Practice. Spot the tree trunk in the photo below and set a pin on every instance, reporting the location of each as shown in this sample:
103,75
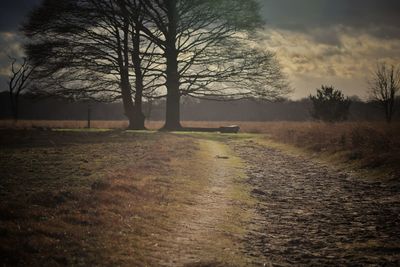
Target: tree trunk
134,114
139,117
388,107
13,103
129,109
16,111
388,117
172,116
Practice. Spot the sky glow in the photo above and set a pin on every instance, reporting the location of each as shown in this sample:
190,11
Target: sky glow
332,42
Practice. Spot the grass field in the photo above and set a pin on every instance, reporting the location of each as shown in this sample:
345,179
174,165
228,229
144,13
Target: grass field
364,145
371,147
109,198
77,197
63,192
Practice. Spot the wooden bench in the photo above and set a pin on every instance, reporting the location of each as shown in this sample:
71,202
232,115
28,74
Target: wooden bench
229,129
222,129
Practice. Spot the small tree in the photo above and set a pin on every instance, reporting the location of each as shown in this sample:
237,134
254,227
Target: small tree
384,86
329,104
18,82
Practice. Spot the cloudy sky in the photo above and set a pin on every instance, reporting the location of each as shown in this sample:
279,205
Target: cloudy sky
333,42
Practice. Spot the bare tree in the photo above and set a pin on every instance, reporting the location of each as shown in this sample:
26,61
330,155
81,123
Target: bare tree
206,53
91,49
18,82
384,87
162,48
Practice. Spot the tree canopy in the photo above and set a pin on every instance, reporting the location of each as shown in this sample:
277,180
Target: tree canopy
130,49
329,104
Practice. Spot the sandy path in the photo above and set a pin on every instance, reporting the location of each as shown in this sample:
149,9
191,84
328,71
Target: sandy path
313,215
209,228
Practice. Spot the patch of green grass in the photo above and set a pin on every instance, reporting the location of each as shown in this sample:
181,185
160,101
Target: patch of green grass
81,130
141,131
220,137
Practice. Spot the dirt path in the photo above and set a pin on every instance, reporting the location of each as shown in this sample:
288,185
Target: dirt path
313,215
209,228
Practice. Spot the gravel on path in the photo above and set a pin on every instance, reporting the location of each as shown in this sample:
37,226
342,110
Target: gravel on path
313,215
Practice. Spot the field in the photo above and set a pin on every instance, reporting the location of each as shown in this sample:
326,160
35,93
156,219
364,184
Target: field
370,146
78,198
277,193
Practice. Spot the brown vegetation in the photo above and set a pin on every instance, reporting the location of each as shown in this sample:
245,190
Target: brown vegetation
370,145
65,124
112,198
79,197
73,198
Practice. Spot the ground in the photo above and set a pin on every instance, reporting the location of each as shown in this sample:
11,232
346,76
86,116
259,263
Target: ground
125,198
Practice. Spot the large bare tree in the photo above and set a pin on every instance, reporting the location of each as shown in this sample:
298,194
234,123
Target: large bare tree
384,87
207,52
91,49
169,48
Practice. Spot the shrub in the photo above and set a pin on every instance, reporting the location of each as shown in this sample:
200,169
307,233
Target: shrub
330,105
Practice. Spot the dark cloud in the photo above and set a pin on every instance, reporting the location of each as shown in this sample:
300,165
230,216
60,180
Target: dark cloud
317,41
377,16
381,16
13,12
327,37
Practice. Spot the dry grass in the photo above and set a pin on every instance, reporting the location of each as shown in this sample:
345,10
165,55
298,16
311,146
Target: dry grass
365,145
103,124
65,124
370,145
105,198
78,198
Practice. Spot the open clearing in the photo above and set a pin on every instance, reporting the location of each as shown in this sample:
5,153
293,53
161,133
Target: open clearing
122,198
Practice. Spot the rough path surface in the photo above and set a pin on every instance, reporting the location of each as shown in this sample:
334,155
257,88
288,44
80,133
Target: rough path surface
310,214
209,225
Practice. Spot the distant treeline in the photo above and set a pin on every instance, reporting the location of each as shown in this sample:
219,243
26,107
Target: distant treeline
192,109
